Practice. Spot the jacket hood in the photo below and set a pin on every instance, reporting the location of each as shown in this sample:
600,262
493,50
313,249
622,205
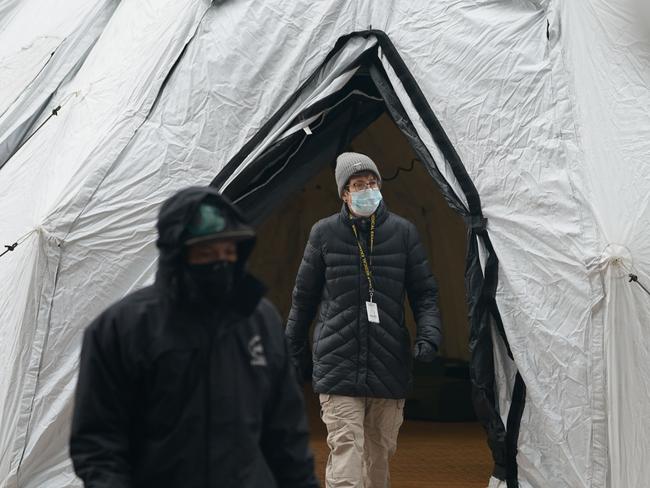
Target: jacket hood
173,219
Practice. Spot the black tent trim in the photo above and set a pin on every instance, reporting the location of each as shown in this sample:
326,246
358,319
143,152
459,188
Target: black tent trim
481,286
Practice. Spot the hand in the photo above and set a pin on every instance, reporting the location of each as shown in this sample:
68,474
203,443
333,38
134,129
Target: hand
424,352
302,371
298,372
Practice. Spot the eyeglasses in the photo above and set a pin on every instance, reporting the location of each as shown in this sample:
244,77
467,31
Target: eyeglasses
360,186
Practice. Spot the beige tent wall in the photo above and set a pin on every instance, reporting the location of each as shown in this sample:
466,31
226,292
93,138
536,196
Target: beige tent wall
413,195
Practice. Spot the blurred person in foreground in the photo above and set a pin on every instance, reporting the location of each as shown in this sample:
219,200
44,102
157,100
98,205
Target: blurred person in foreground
188,383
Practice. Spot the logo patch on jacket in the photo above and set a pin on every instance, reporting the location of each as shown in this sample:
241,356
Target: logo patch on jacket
256,350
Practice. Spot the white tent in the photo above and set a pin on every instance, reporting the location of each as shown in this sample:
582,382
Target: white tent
545,105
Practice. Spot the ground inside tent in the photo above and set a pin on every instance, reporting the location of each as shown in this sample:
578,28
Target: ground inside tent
450,448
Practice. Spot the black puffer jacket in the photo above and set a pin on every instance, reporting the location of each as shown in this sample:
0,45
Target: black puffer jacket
170,396
350,355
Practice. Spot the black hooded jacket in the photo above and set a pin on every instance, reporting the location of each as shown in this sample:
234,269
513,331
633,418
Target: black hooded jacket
352,356
173,396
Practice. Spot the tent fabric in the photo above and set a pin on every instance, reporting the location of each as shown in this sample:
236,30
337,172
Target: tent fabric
34,61
544,100
330,75
611,95
43,192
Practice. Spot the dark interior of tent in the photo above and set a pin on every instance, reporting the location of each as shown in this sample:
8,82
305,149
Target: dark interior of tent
290,185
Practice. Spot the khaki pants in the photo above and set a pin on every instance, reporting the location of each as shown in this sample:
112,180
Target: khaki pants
362,437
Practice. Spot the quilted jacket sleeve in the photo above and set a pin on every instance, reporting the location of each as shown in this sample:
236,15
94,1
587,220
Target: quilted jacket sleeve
422,292
306,299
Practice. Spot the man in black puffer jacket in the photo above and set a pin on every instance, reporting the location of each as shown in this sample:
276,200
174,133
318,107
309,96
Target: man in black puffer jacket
188,383
357,268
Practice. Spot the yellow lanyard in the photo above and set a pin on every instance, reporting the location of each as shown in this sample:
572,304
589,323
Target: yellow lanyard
364,259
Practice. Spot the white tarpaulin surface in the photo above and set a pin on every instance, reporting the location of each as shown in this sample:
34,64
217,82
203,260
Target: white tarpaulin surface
554,132
607,55
39,48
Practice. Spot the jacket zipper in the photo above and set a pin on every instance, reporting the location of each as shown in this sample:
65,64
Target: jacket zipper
358,318
369,325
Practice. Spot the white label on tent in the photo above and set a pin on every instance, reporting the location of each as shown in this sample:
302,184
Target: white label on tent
373,312
307,130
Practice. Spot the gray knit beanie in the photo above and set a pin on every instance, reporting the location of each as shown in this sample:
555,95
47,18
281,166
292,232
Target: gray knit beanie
350,163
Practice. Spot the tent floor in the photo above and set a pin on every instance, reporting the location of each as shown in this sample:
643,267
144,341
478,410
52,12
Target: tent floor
429,455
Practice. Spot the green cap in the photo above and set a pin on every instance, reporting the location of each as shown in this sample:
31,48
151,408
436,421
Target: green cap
207,220
211,222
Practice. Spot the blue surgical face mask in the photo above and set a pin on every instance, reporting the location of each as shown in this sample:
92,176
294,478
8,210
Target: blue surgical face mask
365,202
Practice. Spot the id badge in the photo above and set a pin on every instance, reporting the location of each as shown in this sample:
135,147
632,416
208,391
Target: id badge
373,312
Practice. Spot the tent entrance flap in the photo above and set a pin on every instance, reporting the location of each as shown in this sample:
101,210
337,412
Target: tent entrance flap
326,128
290,162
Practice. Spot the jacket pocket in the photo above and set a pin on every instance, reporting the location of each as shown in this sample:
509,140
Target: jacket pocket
318,332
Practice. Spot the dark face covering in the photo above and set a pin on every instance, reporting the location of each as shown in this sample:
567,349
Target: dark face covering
210,284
